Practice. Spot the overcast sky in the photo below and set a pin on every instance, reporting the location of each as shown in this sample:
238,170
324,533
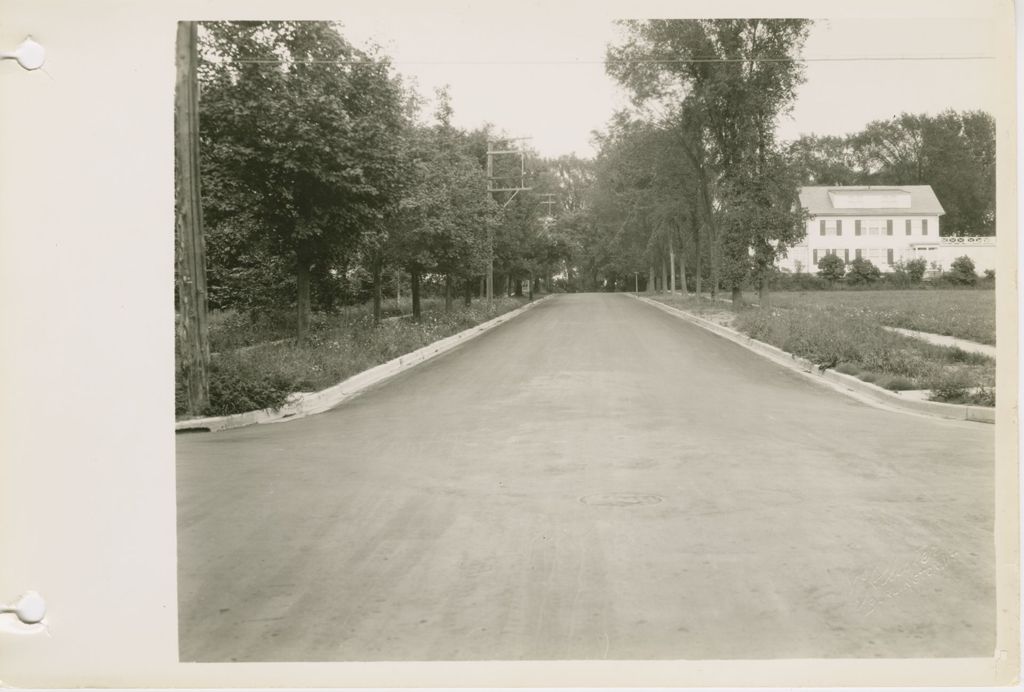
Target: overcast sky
541,75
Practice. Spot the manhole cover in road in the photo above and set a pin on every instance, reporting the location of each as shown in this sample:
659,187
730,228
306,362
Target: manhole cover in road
620,499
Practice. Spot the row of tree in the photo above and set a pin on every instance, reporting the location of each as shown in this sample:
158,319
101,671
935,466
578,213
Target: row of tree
692,176
953,152
321,182
690,181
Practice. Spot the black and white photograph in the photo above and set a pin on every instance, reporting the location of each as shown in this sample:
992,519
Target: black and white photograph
676,341
512,346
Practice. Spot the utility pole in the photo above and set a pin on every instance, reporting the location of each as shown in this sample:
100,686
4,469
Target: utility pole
493,186
549,200
190,251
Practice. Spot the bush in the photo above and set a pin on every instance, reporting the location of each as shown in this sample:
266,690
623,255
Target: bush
862,272
955,387
915,269
831,268
961,272
236,386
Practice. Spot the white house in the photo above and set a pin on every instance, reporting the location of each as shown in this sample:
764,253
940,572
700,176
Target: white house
886,224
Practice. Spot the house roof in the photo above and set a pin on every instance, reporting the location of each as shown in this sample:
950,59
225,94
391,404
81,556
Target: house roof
923,202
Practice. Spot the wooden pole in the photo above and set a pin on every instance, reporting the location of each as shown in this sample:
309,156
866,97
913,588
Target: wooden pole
190,252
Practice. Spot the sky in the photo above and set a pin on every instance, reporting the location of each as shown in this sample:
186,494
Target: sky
541,75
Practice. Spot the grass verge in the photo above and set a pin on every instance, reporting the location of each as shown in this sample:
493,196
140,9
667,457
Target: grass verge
258,366
854,342
965,314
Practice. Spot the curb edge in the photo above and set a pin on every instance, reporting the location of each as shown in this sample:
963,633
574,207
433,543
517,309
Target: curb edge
845,384
311,403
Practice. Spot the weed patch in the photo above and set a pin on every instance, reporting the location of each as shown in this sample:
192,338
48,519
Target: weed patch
252,375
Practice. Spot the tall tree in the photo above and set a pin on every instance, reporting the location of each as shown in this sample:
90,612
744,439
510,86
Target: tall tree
736,76
306,127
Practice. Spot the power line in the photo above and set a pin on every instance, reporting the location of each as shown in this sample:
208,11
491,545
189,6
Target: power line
666,61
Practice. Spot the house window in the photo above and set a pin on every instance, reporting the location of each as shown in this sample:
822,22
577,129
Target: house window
839,228
875,255
858,255
908,226
924,226
829,227
856,227
873,226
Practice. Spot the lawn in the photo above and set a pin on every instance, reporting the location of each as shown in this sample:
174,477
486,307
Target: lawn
965,314
849,336
257,363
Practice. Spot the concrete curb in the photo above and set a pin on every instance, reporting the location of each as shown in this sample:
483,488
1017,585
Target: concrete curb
846,384
308,404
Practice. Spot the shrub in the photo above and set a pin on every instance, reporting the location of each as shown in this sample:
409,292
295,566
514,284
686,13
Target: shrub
236,386
961,272
915,269
831,268
862,272
951,386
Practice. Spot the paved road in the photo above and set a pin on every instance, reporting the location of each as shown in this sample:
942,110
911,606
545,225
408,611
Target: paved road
595,479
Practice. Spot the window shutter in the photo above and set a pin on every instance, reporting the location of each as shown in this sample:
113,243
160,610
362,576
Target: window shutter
858,254
924,226
846,254
822,227
856,227
888,226
889,256
816,254
908,226
839,226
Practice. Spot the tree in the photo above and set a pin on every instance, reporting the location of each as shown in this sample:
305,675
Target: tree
831,268
444,216
862,271
735,77
306,129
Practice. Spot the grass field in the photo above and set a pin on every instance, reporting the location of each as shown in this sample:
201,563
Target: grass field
258,363
844,332
965,314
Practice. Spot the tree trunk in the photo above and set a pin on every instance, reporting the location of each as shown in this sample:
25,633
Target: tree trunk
682,274
483,287
762,293
467,292
671,266
532,281
414,280
664,274
378,290
398,287
699,268
650,280
302,282
737,296
447,292
518,288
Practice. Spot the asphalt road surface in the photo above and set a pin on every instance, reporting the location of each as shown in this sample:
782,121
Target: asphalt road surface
595,479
